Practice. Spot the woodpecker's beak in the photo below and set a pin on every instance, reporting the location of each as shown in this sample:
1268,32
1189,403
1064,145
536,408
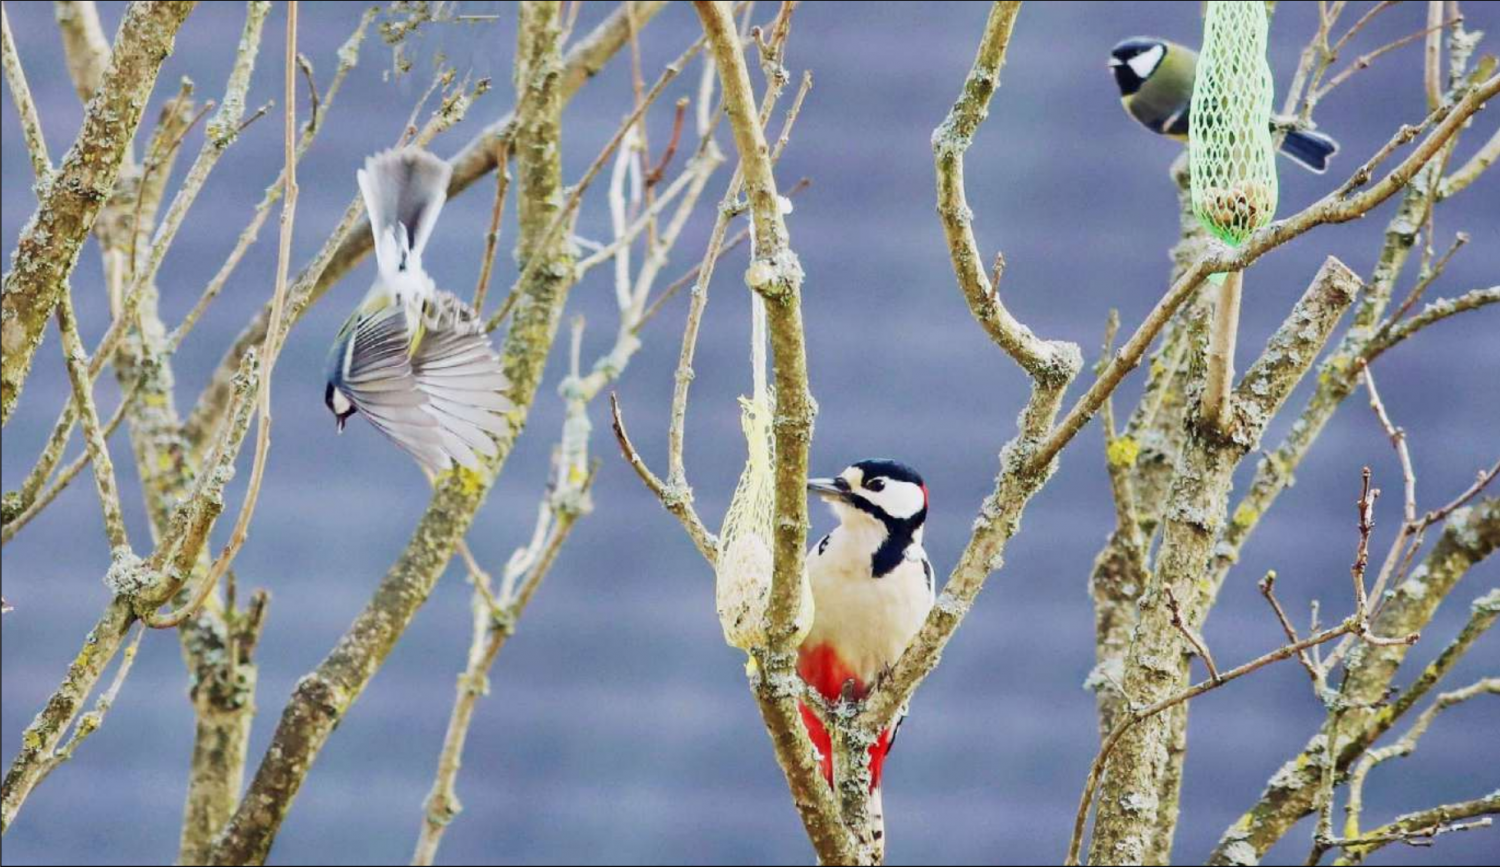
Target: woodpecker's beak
829,489
1116,63
339,422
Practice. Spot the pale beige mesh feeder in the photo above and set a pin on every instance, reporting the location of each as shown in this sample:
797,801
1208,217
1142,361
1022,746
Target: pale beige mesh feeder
742,590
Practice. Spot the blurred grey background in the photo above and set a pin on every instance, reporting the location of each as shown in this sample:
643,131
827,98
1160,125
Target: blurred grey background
619,727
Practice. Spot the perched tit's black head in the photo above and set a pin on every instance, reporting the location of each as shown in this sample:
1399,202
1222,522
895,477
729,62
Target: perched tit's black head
891,492
338,404
1134,60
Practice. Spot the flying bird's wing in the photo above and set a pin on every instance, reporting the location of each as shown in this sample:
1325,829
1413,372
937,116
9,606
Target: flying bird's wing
459,374
374,371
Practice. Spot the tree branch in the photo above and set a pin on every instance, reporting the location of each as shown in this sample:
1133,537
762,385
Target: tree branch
31,123
51,240
1471,535
1155,666
777,276
567,498
323,696
1051,364
1420,828
351,240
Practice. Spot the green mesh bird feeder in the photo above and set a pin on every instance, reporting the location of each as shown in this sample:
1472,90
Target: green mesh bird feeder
1233,164
1231,154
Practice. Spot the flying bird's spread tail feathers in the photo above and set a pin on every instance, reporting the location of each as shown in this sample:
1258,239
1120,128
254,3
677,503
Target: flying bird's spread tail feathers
404,190
414,360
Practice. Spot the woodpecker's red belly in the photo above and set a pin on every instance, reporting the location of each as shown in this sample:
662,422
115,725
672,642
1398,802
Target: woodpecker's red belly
825,672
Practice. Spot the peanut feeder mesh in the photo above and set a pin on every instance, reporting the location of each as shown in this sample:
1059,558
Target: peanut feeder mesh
1231,154
742,589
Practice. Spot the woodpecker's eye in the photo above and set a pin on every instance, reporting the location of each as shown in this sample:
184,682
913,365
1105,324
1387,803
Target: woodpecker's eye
875,485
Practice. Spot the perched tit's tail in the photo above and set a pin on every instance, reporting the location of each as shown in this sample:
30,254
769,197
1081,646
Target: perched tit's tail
1311,149
403,190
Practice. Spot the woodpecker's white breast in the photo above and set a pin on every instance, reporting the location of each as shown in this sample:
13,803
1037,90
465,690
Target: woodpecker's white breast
867,621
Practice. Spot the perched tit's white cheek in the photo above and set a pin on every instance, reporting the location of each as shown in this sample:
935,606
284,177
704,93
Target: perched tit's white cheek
1145,63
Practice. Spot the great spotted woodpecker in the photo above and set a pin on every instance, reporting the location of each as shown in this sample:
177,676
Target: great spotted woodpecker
872,587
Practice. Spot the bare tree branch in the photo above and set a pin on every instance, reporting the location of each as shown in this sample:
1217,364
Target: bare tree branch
20,92
323,696
777,276
51,240
1471,535
1155,666
350,242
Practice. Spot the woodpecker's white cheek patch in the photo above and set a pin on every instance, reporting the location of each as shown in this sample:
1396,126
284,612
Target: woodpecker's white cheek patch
341,404
899,499
1145,63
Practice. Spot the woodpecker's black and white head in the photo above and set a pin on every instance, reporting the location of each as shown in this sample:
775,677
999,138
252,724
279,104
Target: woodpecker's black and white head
881,502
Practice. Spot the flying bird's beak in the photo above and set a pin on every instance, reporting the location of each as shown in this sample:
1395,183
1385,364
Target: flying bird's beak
1116,63
829,489
339,421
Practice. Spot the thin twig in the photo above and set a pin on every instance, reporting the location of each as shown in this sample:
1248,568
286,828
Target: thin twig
1268,589
1363,20
678,505
93,433
270,349
155,161
1199,646
565,214
90,722
1428,275
1397,436
492,237
1364,60
654,176
31,122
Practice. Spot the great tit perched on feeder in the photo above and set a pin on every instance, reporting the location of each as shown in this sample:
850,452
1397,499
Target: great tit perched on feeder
1156,76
